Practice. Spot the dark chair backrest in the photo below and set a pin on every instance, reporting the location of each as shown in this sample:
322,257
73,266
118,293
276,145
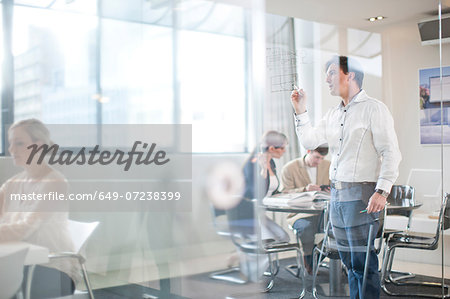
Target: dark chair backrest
244,210
217,212
401,195
443,220
241,218
220,226
446,214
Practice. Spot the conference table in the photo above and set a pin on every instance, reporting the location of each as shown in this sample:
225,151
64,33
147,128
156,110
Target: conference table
35,255
315,208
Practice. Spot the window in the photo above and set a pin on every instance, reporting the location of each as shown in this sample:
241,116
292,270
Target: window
54,66
136,73
212,76
73,67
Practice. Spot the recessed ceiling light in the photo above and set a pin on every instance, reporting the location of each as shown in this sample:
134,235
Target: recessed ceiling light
378,18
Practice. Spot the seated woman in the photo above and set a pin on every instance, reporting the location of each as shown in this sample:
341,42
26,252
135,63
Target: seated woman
260,180
33,221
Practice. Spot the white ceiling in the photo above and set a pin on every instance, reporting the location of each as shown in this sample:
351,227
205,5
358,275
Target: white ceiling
354,13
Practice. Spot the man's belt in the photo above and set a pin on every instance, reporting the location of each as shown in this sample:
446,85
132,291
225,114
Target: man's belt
338,185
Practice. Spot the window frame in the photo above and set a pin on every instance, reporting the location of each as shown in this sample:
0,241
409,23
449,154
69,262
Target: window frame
7,99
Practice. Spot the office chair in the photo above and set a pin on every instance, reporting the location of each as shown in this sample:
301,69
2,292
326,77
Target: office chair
243,231
400,195
222,229
329,249
80,233
407,240
11,274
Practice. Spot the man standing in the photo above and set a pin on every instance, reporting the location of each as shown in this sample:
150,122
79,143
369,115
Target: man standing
300,175
365,158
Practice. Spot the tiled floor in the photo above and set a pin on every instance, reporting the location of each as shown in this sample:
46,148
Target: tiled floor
202,287
143,273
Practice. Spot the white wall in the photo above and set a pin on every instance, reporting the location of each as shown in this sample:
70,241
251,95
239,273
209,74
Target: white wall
403,56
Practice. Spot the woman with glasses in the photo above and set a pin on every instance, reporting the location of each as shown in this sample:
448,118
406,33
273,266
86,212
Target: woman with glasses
261,179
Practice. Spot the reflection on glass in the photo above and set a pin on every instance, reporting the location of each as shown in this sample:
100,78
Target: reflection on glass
54,66
35,221
83,6
136,73
212,90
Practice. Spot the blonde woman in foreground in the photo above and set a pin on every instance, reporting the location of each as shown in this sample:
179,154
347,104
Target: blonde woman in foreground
30,221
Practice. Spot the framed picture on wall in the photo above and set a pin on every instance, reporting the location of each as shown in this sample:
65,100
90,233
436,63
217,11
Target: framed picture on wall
430,105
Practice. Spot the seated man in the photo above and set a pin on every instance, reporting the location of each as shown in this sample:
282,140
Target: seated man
300,175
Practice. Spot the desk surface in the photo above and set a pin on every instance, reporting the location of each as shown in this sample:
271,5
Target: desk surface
36,254
404,208
312,209
317,208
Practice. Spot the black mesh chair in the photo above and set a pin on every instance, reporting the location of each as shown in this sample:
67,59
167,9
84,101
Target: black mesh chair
244,231
400,196
411,241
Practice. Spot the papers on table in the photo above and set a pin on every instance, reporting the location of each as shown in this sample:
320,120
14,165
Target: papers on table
276,200
303,199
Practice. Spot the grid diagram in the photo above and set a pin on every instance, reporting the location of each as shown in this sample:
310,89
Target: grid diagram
281,67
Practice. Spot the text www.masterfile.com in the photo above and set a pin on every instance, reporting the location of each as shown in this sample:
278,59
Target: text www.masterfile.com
98,196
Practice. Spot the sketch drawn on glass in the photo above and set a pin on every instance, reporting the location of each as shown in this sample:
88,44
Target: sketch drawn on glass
282,67
430,105
283,82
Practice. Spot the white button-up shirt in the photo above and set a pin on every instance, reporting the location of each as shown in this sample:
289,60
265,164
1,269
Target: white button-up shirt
361,139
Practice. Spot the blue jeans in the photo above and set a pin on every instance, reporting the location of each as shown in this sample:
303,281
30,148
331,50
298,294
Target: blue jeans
351,230
306,229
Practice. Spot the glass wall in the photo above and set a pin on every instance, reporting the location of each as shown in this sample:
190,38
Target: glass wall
175,78
54,55
159,110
